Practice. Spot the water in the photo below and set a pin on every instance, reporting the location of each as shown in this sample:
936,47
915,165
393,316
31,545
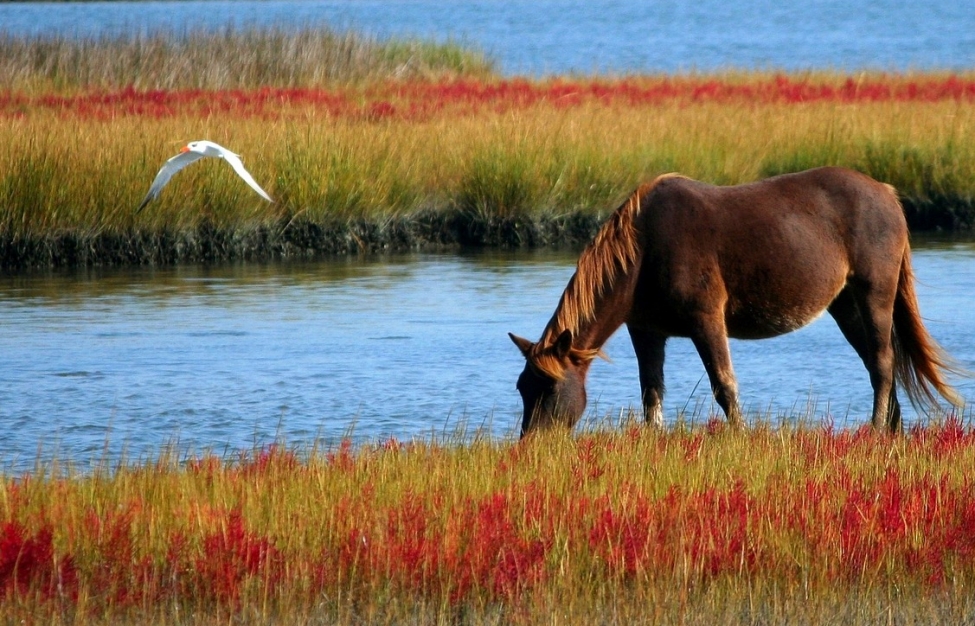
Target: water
535,37
105,363
101,364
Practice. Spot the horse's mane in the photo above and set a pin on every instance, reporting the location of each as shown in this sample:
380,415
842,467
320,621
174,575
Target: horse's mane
613,251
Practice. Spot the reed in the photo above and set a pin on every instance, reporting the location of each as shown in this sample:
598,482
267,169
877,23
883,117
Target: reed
230,58
776,524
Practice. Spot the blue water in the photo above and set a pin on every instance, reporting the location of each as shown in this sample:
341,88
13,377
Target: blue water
117,363
113,363
536,37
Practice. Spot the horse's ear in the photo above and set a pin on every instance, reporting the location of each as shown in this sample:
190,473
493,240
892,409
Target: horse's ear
523,344
563,345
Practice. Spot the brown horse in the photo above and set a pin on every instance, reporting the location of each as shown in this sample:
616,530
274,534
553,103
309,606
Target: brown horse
681,258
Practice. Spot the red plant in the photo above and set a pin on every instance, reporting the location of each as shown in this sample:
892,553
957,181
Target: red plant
269,457
627,542
418,100
121,576
230,557
840,519
343,458
479,550
488,552
29,563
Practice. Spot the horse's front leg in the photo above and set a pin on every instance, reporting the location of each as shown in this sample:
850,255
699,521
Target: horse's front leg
649,348
711,340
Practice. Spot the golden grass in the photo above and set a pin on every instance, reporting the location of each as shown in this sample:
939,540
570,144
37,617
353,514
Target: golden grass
59,172
771,525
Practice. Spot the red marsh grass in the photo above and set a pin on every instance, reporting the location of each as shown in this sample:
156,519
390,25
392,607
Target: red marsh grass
421,99
693,524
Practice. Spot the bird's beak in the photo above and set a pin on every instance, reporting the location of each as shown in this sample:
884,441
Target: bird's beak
184,149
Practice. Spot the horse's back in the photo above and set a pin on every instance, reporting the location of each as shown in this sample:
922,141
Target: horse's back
836,194
772,253
819,207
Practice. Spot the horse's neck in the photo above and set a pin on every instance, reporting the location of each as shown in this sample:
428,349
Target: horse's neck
592,317
598,298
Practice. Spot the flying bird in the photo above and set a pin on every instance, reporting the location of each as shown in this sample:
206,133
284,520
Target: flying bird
191,152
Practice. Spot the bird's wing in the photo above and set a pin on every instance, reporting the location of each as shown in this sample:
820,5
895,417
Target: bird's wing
169,168
238,166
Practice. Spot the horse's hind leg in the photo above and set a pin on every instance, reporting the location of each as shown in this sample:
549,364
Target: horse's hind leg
846,310
711,340
649,348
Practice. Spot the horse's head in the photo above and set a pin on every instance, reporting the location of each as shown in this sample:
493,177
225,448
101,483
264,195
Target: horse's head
553,383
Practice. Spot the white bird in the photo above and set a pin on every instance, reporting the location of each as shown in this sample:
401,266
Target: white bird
191,152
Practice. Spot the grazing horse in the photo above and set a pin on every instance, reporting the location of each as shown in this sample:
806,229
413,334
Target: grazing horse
682,258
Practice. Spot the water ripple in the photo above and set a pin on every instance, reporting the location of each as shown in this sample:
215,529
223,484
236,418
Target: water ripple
395,347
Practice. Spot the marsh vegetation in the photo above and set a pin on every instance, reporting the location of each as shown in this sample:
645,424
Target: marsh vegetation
374,157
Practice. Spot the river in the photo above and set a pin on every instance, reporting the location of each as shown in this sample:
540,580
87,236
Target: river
106,364
112,364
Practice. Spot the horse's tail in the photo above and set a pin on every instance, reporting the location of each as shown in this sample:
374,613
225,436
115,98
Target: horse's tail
920,363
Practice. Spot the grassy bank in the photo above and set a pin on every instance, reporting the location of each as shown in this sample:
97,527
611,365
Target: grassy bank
692,525
448,156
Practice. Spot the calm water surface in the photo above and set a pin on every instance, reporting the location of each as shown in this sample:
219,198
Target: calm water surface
109,362
557,36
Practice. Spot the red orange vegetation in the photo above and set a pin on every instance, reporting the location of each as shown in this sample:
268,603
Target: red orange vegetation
628,515
418,100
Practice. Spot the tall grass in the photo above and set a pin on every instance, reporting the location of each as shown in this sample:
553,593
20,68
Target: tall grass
374,156
693,524
231,58
57,172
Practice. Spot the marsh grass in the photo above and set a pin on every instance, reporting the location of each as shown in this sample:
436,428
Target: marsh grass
230,58
620,524
59,173
437,157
